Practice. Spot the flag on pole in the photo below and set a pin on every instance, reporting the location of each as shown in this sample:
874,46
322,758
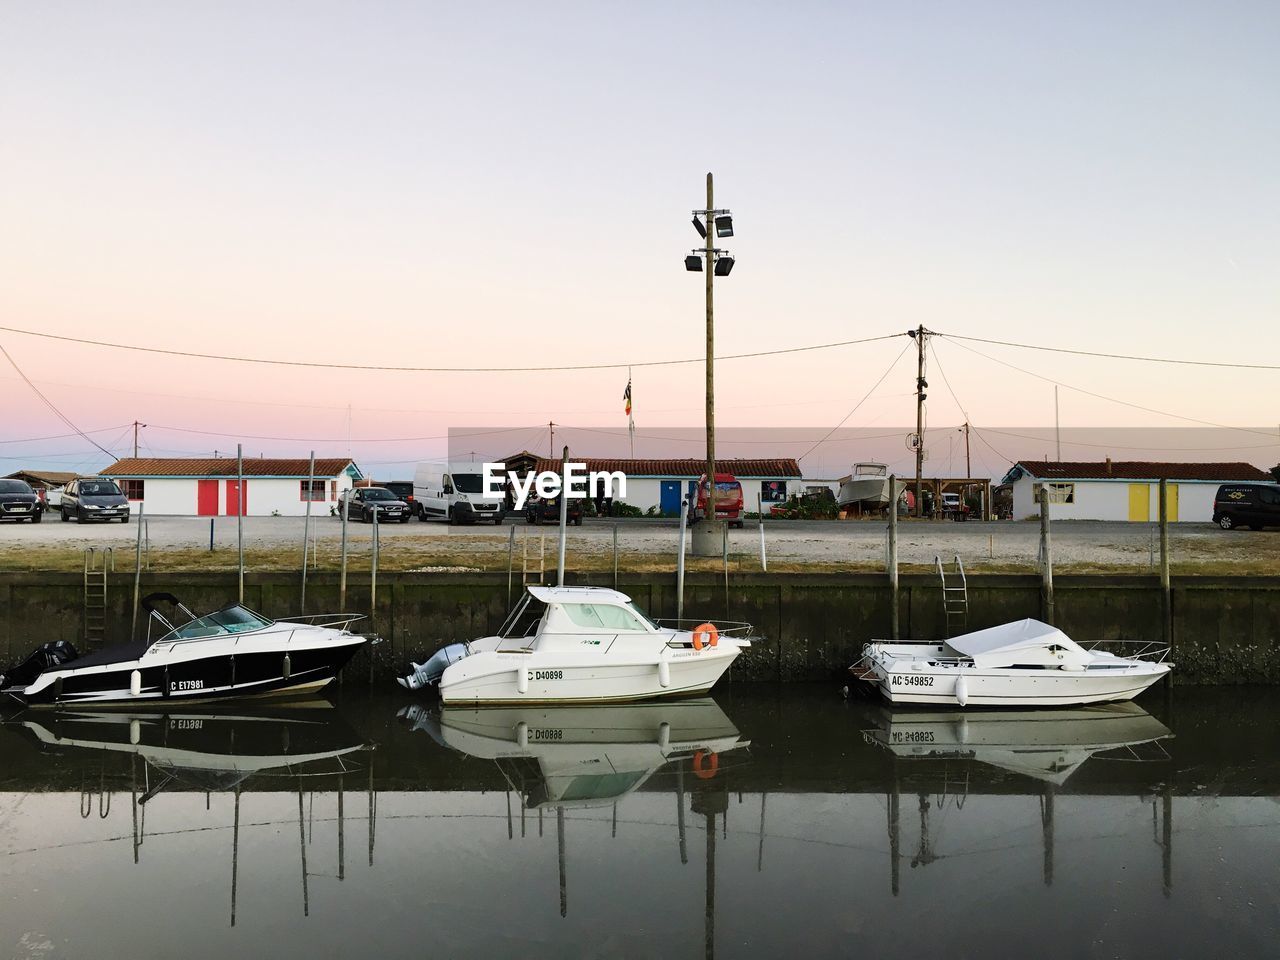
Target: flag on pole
631,423
626,395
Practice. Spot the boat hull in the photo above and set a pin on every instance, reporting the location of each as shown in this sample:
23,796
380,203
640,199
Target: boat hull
217,675
867,491
492,678
1001,687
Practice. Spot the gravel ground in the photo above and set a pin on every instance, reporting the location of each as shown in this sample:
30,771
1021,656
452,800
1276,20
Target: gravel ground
1002,543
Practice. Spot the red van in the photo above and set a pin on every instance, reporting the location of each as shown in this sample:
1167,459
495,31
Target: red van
728,499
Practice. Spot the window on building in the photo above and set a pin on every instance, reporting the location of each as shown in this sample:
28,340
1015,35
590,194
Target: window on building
1061,492
773,491
315,490
133,489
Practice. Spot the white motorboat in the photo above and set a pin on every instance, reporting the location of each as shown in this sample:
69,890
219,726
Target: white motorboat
867,486
1021,664
585,755
581,645
1048,745
232,652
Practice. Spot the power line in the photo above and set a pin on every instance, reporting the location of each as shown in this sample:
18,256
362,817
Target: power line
1114,446
388,369
64,436
1100,396
252,436
49,403
1113,356
938,362
864,399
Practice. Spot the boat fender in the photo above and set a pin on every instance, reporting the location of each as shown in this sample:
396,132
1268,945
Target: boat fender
962,690
135,732
288,666
705,635
664,672
664,737
522,680
705,764
135,683
522,735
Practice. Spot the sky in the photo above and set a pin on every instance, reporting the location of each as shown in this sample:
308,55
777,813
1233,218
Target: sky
510,184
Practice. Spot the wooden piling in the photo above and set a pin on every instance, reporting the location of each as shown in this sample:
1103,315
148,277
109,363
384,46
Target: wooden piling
1046,559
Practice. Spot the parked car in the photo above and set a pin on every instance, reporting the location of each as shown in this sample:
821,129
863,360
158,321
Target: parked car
362,501
547,510
728,499
1253,505
403,489
19,502
93,498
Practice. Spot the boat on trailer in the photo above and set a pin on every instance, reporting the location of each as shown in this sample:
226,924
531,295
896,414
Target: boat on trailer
582,645
232,652
1022,664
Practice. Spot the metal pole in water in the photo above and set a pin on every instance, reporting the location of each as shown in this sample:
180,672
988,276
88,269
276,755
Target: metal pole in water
893,558
306,529
210,530
373,574
564,516
511,562
615,556
137,575
684,513
1166,592
240,517
1046,559
724,551
764,562
342,570
564,890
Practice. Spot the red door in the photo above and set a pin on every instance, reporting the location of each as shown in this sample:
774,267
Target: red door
233,498
206,498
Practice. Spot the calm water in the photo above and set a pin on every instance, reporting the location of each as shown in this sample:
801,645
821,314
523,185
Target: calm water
768,822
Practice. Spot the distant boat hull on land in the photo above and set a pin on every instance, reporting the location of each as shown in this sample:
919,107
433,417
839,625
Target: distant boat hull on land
867,487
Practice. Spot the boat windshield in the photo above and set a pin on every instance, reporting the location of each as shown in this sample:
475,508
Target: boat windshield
232,620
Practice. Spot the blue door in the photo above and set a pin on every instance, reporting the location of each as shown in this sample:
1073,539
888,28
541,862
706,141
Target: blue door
670,498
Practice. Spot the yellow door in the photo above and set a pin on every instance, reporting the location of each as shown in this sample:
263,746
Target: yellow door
1172,502
1139,502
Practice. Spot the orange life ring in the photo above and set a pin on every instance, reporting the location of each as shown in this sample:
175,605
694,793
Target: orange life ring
713,764
712,635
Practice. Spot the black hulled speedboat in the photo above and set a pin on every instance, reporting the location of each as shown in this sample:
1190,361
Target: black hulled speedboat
232,652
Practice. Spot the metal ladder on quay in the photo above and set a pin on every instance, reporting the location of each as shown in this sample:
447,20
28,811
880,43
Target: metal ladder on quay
527,570
97,564
955,599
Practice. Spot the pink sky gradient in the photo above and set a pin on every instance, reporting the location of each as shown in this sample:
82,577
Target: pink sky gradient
458,185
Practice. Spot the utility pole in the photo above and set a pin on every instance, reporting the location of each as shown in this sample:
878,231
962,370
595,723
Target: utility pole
136,425
968,464
919,335
1057,429
551,425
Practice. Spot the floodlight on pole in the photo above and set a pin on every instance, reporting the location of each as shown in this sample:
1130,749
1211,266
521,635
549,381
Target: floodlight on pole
724,226
693,264
723,265
697,225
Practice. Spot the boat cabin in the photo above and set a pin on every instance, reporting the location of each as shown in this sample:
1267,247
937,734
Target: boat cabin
570,617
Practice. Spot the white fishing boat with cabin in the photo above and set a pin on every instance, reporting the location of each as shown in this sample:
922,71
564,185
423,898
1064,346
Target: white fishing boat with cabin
1022,664
582,645
867,487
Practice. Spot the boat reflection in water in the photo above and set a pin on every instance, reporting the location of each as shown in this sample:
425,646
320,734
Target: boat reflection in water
1049,746
196,749
591,756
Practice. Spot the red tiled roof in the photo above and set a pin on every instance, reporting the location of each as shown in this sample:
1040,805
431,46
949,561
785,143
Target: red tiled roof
223,467
56,477
1141,470
688,467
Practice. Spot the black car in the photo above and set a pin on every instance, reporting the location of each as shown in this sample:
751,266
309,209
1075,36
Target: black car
403,489
364,500
1254,505
94,498
547,510
19,502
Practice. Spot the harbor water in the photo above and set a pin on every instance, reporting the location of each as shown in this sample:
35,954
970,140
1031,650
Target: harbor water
771,820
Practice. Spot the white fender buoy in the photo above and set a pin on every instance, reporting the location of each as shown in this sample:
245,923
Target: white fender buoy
664,737
664,672
135,732
522,735
522,680
962,690
135,683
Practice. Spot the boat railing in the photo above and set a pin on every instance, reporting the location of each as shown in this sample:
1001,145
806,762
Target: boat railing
324,619
1148,651
725,628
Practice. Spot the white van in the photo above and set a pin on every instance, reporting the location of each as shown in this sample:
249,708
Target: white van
455,493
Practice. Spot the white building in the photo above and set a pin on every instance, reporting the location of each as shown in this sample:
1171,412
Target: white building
207,487
662,483
1123,490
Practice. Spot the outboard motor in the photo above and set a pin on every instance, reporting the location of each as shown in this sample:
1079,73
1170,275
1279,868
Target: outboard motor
52,654
428,674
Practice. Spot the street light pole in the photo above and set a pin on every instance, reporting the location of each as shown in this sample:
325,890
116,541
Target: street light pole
711,361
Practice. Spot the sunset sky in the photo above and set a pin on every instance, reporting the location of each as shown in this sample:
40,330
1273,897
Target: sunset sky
453,184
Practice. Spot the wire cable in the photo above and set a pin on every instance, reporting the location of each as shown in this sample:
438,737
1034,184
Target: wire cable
49,403
252,436
64,436
1112,356
864,399
389,369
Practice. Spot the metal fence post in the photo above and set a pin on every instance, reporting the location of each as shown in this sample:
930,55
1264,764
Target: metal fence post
684,514
764,562
342,570
893,559
1046,559
306,530
1166,591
